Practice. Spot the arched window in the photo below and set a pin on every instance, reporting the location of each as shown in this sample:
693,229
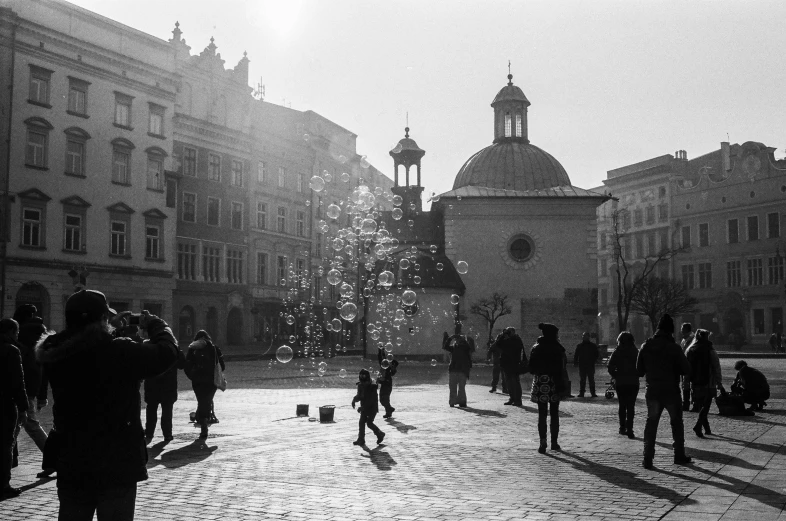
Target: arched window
518,125
507,125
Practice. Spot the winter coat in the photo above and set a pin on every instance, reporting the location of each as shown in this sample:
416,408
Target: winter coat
12,379
367,396
460,348
622,365
30,332
705,370
547,363
586,355
201,360
512,356
661,361
751,380
386,375
163,388
95,379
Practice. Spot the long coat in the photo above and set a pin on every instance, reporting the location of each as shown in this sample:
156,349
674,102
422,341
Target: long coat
622,365
163,388
547,363
662,362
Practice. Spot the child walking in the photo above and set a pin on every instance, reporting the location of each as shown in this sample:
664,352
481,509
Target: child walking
385,381
367,396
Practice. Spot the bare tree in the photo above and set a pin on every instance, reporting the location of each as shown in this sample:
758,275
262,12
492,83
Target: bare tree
629,274
656,296
491,309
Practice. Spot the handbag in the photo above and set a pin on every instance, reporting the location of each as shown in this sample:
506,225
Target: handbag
218,376
51,450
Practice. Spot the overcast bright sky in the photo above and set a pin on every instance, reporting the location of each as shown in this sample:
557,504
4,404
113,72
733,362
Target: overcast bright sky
611,82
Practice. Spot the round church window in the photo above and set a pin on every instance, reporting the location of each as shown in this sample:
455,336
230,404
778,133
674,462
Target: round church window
521,248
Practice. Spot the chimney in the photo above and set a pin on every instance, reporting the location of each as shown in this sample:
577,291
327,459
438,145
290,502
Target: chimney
726,155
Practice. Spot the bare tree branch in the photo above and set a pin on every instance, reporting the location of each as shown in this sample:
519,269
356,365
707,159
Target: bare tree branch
656,296
491,309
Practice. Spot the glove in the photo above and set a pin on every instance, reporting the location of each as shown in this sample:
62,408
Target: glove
353,405
41,404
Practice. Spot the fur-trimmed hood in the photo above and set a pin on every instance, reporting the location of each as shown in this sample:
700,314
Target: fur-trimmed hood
60,346
198,344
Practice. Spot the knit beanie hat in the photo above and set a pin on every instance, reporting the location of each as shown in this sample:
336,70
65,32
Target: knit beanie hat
666,323
549,330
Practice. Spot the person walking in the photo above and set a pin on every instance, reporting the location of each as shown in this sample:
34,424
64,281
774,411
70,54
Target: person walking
367,396
13,400
774,342
95,379
513,361
460,348
200,367
661,362
705,377
585,358
162,390
686,337
547,362
622,368
387,370
493,355
752,385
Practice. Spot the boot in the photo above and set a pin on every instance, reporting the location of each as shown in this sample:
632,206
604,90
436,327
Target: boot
647,463
706,425
542,448
697,430
680,458
622,429
203,434
554,444
493,390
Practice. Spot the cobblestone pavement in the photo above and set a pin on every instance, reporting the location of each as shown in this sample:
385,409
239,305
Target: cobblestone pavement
437,462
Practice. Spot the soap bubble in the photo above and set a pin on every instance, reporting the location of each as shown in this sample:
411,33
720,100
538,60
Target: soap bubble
349,311
317,183
290,319
462,267
364,162
346,290
403,264
397,213
335,324
440,266
292,339
397,200
333,211
433,362
433,248
416,279
385,363
375,334
284,354
328,177
322,368
306,138
344,177
342,373
334,277
386,279
408,297
454,299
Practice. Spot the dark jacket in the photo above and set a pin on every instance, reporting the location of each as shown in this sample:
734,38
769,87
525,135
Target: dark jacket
752,380
548,358
586,355
512,356
661,361
622,365
30,332
201,360
386,374
367,396
163,388
460,348
12,380
95,379
700,359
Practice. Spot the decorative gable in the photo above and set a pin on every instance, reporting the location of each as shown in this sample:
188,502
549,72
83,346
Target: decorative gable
34,194
75,200
155,213
120,208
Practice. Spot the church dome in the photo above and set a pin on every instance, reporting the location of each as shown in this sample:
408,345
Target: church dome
512,165
511,162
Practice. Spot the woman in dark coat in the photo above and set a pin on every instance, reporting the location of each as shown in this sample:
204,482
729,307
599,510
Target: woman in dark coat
162,390
13,400
460,348
547,362
622,368
201,360
705,376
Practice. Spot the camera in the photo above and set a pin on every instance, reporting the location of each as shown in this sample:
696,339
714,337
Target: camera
133,320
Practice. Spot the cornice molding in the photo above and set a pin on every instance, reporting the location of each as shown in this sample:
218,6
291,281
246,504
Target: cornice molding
94,268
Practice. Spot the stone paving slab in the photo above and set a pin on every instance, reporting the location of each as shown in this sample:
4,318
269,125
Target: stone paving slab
437,462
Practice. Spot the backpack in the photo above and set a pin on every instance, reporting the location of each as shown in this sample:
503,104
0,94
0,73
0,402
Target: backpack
200,364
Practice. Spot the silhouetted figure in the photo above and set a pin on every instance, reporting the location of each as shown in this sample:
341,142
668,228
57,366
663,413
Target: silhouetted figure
385,381
162,390
460,348
493,355
686,337
547,362
367,396
513,361
13,400
585,358
200,367
752,385
705,376
622,368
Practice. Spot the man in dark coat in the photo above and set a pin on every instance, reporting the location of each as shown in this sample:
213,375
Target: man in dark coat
496,371
686,334
751,384
512,361
95,377
662,362
162,390
13,401
585,357
460,348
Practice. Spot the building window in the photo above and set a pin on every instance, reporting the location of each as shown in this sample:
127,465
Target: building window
155,119
638,217
234,266
652,249
237,173
664,240
155,172
604,267
281,226
507,125
603,244
186,261
775,269
300,182
733,273
755,272
518,126
119,232
72,240
123,110
189,207
281,270
77,96
152,242
661,192
319,207
214,167
189,161
686,236
37,150
640,246
300,270
753,228
705,275
237,216
301,224
213,211
121,161
625,220
75,156
261,268
318,246
282,173
663,212
758,321
211,264
261,173
32,227
773,225
733,231
317,294
650,214
704,234
687,276
39,85
261,215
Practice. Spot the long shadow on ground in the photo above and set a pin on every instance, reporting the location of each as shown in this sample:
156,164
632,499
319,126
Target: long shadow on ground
194,452
383,460
400,427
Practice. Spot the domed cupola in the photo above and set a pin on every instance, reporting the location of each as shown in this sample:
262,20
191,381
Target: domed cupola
510,114
407,153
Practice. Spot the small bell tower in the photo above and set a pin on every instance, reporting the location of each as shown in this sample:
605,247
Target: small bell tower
407,153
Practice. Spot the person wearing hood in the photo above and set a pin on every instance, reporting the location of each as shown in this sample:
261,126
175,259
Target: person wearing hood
13,400
622,368
547,363
661,362
367,396
95,376
704,377
460,348
200,367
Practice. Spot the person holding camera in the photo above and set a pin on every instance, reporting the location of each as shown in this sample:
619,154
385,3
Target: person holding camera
162,390
100,452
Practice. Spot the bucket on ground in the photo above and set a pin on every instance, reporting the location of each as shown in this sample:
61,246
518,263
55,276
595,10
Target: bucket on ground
326,413
302,409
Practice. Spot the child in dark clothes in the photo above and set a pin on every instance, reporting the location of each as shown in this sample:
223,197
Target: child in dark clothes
385,381
367,396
